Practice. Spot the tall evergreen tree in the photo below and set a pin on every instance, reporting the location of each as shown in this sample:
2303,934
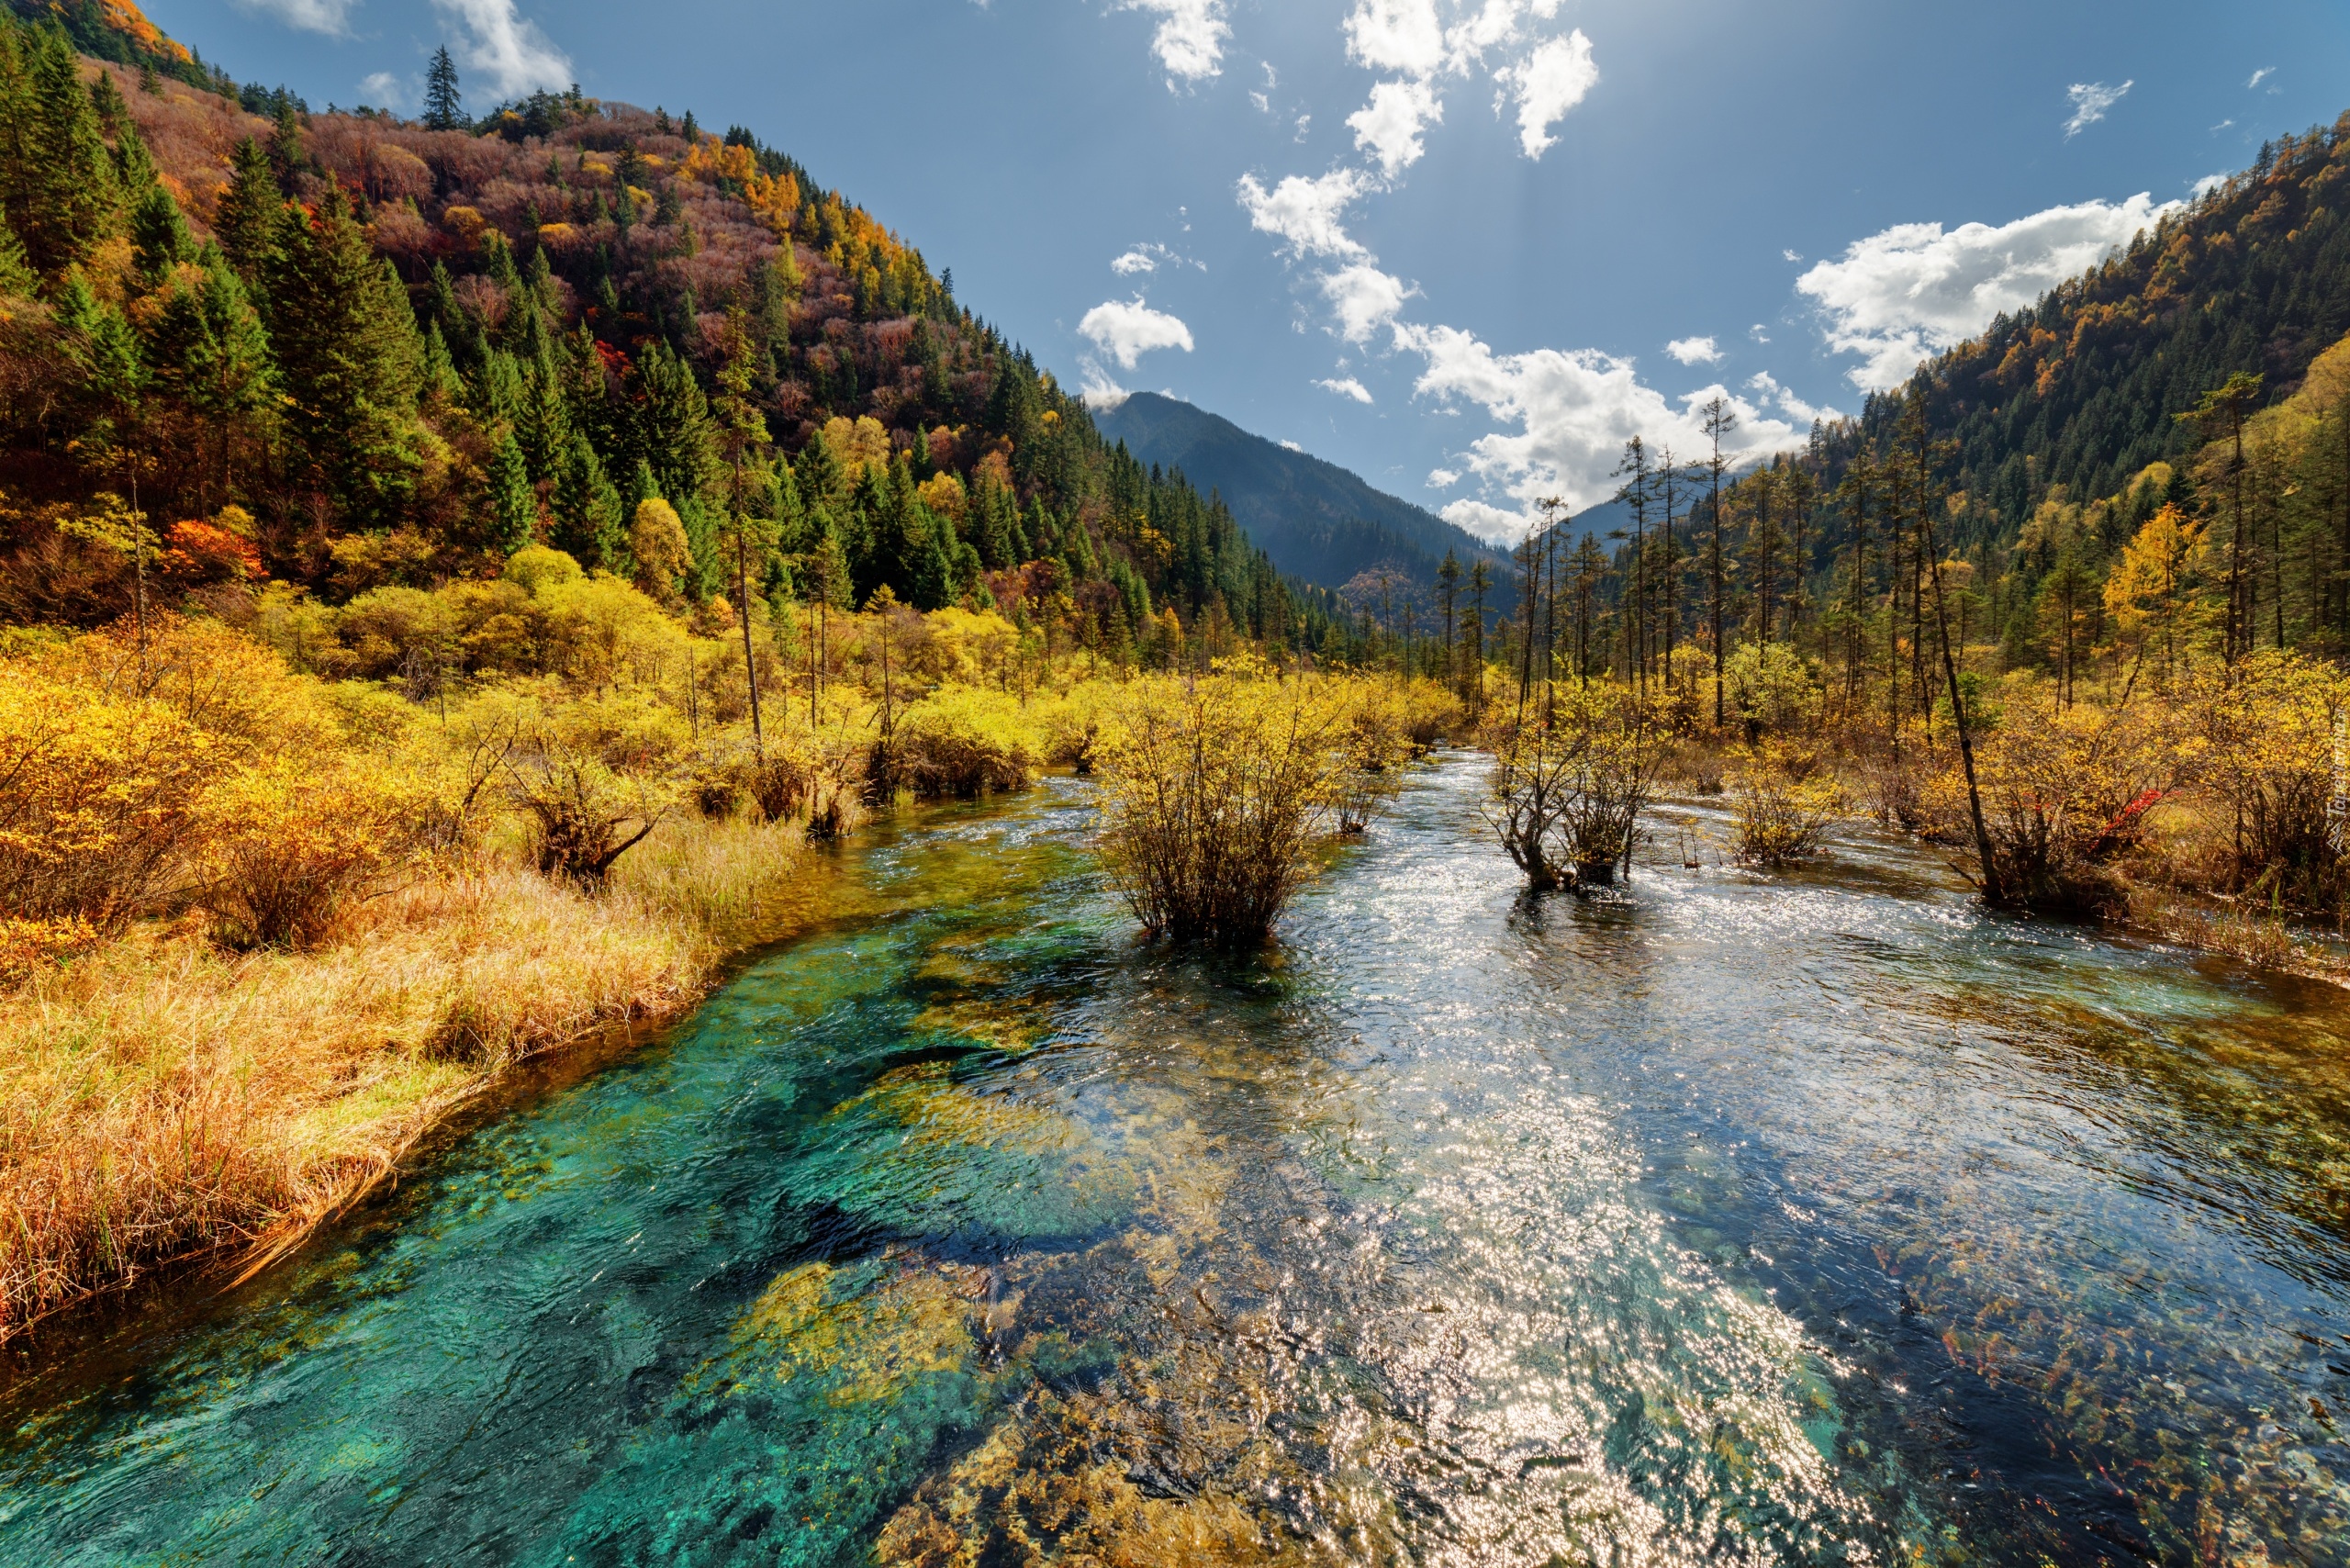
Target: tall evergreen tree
513,505
444,104
245,221
211,353
352,363
57,179
672,432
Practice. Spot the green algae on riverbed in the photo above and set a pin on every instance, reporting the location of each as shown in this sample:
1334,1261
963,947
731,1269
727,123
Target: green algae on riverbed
1816,1219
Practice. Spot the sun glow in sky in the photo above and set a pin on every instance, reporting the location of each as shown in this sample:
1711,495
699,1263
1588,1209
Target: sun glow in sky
1463,247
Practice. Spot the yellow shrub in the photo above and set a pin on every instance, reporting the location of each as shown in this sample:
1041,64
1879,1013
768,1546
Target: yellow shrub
100,792
1213,791
282,847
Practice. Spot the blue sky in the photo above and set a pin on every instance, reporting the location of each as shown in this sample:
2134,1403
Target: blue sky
1463,247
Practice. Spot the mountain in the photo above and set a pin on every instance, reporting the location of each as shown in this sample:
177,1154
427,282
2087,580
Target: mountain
2080,390
356,352
1315,518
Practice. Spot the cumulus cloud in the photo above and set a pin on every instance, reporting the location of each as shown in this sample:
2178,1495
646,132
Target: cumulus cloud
1306,214
1546,83
1766,387
1346,387
1365,299
1190,36
330,17
1694,351
1126,329
1389,127
1396,35
2091,101
505,47
1494,524
1411,40
1898,296
383,90
1566,415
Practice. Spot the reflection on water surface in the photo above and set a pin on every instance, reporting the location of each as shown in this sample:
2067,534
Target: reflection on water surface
1810,1219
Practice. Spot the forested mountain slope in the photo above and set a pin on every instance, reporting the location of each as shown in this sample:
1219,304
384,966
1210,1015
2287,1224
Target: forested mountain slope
1317,520
345,351
2080,391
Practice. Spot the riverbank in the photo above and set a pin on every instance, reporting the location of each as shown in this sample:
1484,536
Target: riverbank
168,1103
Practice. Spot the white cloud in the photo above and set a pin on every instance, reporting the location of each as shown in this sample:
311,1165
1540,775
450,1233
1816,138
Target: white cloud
1150,258
1791,255
1546,83
1346,387
1757,333
1694,351
1097,390
1396,35
1126,329
1766,386
1572,412
2091,101
1190,36
1411,40
1365,299
505,47
1292,446
1306,214
383,90
1898,296
1491,523
2211,183
1264,105
329,16
1389,127
1442,478
2260,75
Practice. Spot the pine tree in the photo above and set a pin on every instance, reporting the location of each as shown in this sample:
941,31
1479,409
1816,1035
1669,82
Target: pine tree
287,157
17,279
444,104
57,179
245,221
212,353
589,521
513,505
104,367
159,236
352,363
672,432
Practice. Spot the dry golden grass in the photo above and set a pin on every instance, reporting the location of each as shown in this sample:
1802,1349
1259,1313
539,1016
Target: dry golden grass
161,1099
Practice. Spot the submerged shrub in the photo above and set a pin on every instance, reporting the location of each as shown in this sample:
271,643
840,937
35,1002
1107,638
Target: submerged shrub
1783,803
960,744
1213,791
1570,777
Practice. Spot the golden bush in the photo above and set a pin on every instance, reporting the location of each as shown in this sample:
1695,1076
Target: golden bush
1213,791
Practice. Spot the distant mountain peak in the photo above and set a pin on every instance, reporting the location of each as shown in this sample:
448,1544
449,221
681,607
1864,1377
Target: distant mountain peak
1317,520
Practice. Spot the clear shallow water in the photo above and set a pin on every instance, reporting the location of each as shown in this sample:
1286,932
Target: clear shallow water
1816,1219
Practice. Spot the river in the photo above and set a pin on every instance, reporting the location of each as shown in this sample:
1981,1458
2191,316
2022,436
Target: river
1812,1218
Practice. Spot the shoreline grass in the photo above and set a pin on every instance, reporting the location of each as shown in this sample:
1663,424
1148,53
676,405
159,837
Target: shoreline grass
165,1104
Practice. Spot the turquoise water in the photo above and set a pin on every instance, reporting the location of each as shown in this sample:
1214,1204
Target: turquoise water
1810,1219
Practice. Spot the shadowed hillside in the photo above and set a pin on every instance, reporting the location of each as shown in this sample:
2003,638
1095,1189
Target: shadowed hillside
1316,519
